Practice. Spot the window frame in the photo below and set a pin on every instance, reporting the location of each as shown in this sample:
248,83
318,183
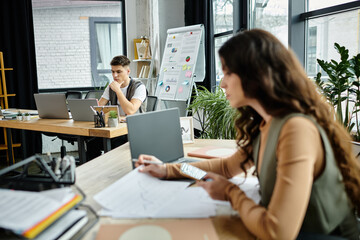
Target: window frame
93,43
124,35
240,23
298,18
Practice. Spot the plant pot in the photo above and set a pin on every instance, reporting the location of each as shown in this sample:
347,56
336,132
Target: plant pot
20,118
113,122
27,118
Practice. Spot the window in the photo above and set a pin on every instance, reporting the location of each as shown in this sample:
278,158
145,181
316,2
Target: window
324,30
223,15
219,41
318,4
311,51
64,49
105,43
270,15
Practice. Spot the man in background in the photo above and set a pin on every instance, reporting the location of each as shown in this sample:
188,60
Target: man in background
127,93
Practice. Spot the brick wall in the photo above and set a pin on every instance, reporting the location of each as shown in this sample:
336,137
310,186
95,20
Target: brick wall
63,44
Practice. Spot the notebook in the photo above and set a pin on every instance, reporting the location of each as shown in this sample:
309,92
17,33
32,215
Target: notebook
157,133
51,105
80,109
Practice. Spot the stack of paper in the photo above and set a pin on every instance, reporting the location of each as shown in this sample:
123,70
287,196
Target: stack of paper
139,195
29,213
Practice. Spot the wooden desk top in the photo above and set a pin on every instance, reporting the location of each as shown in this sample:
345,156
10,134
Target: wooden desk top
65,126
97,174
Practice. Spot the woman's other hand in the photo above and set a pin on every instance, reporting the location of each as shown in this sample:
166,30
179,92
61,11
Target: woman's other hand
214,185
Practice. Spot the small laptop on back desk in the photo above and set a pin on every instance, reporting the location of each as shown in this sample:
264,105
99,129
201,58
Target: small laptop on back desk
80,109
157,133
51,105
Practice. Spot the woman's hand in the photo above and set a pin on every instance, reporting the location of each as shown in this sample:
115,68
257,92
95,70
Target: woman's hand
215,185
156,170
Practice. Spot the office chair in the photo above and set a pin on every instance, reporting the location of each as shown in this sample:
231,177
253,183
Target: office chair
64,137
151,103
73,95
94,94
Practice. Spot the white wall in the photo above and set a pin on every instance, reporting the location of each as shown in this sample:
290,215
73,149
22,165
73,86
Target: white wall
153,18
137,24
171,15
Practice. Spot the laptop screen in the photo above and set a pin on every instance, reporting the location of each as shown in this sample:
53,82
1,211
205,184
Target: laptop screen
51,105
156,133
80,109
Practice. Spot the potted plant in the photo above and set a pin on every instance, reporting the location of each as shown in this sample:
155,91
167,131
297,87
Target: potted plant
113,119
27,116
215,115
342,88
19,116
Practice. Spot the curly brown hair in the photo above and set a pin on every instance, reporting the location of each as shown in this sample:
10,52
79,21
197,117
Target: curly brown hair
272,74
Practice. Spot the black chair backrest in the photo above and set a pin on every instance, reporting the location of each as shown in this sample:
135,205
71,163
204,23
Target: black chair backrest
151,103
73,95
94,94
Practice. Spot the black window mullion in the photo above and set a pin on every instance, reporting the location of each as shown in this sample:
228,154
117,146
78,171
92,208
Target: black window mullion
296,38
216,35
241,16
330,10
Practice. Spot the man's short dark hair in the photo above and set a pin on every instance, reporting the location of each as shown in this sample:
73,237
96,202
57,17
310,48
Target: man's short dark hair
120,60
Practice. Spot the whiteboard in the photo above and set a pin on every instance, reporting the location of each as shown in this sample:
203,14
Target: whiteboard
183,63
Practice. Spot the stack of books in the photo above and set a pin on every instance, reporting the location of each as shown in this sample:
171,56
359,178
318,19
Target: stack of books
144,72
45,215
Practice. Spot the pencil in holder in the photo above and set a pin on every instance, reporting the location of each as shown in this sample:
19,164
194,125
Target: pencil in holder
97,121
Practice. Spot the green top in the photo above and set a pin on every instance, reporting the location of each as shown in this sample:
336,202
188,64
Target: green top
329,206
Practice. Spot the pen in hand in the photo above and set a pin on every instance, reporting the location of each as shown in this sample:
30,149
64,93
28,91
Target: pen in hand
148,162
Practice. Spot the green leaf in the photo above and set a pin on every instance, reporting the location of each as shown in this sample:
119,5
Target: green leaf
341,86
218,120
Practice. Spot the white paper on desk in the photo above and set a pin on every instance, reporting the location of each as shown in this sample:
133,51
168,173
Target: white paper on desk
138,194
193,202
250,186
20,210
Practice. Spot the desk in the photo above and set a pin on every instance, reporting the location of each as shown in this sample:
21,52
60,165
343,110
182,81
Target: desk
94,176
66,126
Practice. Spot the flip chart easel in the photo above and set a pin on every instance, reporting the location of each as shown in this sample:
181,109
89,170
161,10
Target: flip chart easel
182,65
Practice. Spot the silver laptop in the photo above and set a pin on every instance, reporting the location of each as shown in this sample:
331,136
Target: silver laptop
157,133
80,109
51,105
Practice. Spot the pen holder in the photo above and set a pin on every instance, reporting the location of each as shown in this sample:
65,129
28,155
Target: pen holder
97,121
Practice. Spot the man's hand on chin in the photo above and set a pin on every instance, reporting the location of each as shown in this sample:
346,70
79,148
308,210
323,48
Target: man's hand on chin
115,86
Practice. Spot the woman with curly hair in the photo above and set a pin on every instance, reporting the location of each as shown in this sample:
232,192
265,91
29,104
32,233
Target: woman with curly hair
309,177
